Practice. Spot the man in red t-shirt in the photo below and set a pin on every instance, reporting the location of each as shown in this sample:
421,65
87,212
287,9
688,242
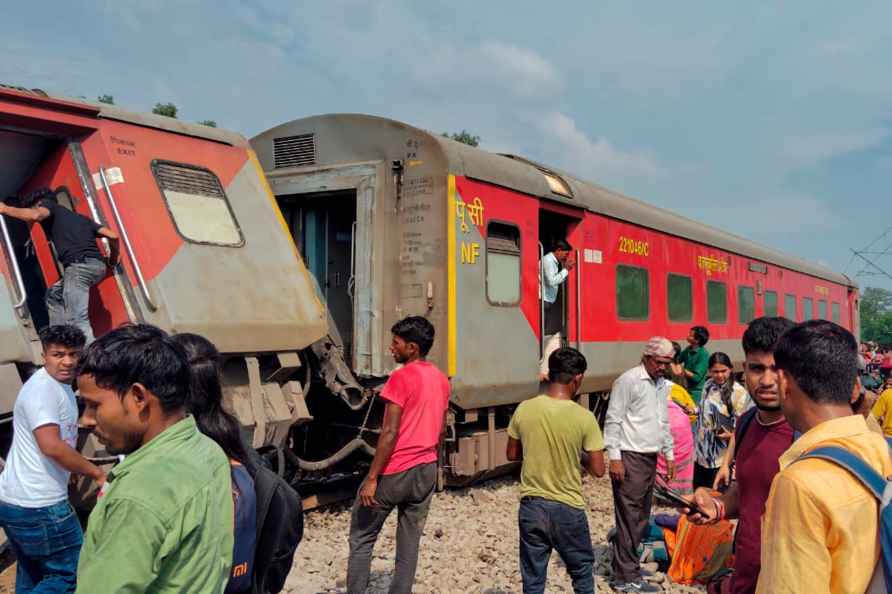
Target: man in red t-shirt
404,471
760,441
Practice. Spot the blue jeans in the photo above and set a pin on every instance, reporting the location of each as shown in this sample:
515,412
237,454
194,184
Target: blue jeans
546,525
68,300
47,544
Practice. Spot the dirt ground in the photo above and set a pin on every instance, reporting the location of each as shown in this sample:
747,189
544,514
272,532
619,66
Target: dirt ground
470,545
7,579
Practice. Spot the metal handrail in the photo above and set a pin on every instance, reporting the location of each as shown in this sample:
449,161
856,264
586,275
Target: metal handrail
23,293
94,212
578,302
143,287
351,281
541,300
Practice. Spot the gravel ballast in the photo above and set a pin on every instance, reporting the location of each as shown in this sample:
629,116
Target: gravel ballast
470,545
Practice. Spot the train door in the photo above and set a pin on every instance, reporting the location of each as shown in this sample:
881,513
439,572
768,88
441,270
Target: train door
560,312
330,214
323,225
64,170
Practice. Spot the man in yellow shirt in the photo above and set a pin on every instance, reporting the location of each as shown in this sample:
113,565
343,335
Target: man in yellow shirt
551,433
882,410
820,528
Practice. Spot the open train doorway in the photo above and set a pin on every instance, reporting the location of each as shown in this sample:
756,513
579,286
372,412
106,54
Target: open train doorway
323,225
554,228
22,155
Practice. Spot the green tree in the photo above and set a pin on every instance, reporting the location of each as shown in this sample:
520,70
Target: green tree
876,315
465,137
209,123
109,99
166,109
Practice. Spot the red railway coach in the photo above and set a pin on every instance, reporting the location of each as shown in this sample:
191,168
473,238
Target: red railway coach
394,220
204,248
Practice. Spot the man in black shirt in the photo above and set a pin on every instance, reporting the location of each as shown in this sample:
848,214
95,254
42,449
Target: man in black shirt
74,237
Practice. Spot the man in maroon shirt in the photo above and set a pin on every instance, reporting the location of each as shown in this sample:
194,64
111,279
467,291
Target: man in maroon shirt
762,436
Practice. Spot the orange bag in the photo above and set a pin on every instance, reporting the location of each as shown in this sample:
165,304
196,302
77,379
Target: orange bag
699,552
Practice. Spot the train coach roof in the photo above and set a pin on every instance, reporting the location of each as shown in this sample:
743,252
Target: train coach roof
526,176
506,170
113,112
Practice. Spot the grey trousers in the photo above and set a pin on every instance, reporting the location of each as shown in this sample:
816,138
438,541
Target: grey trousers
68,300
632,500
410,492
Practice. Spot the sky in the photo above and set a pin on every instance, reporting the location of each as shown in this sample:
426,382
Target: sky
769,120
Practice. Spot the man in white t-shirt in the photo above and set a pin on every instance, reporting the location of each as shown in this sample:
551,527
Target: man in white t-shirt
41,525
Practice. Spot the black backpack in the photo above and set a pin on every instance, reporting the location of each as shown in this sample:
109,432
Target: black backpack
280,528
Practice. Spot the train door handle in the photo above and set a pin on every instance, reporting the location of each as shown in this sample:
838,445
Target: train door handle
17,273
128,247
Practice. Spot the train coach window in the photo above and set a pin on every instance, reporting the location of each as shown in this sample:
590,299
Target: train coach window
746,305
807,306
502,264
822,309
790,307
680,297
632,293
197,204
716,302
770,303
834,312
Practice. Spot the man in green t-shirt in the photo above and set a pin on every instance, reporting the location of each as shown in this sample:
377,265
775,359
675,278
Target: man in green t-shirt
164,519
695,361
555,438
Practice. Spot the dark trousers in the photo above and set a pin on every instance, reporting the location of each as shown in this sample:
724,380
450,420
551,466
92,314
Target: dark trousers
47,544
703,476
546,525
68,300
410,492
632,499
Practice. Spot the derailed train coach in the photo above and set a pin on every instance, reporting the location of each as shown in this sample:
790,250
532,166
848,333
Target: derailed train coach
393,220
204,249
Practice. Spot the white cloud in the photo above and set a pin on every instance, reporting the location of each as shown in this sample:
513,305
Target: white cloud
529,72
771,214
491,66
591,157
819,146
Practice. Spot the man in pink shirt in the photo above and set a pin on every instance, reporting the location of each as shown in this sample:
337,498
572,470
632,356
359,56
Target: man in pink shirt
404,471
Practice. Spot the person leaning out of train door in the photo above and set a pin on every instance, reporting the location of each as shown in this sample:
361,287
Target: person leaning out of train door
556,266
635,431
74,237
695,361
403,474
549,433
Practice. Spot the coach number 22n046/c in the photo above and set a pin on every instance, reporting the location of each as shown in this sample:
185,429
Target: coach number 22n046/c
638,247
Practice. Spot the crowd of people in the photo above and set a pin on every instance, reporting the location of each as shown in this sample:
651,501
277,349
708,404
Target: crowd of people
805,522
190,507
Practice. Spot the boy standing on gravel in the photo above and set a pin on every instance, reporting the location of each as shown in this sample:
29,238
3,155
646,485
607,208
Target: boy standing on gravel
403,474
549,433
